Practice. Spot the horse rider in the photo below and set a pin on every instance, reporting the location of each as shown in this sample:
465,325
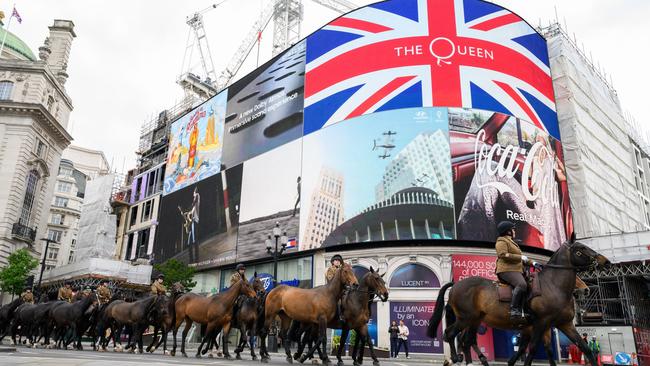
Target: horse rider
87,291
240,274
65,292
103,293
27,296
510,267
157,287
335,264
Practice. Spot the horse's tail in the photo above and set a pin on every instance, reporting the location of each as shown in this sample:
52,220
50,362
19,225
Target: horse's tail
436,317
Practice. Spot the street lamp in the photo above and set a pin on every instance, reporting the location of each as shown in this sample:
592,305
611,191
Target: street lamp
47,246
281,238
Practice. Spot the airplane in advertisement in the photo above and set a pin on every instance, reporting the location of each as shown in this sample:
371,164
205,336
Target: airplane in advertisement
384,156
389,133
386,145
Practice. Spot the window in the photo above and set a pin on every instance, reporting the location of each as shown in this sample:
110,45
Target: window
146,210
129,247
143,243
74,243
30,195
53,253
71,257
60,201
49,267
134,215
41,149
66,172
6,87
57,219
55,235
64,187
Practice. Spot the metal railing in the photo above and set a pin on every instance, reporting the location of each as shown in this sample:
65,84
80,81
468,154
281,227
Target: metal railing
23,232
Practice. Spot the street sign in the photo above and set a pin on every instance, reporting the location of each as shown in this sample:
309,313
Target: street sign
623,358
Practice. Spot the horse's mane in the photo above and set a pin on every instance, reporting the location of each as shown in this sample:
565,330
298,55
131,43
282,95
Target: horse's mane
554,258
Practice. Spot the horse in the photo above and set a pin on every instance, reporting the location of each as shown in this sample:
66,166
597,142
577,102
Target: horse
247,318
215,311
166,318
315,306
7,315
66,315
42,319
356,310
23,319
475,299
136,315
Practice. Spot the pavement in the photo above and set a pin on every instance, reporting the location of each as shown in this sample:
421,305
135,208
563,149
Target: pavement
46,357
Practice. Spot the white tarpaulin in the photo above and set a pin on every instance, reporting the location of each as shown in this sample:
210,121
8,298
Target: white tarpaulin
97,226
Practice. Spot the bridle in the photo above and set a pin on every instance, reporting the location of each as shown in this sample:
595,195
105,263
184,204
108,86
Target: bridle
572,251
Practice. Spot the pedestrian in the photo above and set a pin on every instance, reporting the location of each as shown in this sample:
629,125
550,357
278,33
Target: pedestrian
403,339
594,346
394,332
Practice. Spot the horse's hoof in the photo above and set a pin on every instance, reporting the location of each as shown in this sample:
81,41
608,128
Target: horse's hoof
227,357
238,357
210,355
198,355
375,363
264,360
184,354
289,359
303,359
355,363
340,363
254,358
172,353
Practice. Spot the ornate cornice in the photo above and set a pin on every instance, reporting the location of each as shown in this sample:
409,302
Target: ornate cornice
42,115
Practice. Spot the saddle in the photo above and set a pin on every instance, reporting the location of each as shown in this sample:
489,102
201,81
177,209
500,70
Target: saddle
504,290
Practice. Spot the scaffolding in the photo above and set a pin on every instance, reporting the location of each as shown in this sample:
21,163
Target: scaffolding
619,294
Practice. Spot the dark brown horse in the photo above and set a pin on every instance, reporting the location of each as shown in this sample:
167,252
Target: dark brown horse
135,315
7,315
356,311
214,311
165,319
475,300
67,316
312,306
247,318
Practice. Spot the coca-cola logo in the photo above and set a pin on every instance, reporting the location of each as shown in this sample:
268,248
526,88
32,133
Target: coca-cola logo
537,174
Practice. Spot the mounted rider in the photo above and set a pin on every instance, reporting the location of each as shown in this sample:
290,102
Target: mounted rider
238,275
510,267
104,293
157,287
335,264
65,292
27,296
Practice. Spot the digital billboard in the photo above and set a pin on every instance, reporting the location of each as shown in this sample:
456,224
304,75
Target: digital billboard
401,120
265,108
419,53
195,145
508,169
198,224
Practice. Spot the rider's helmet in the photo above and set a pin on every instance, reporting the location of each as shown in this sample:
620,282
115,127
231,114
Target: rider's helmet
336,257
28,289
240,266
504,226
161,276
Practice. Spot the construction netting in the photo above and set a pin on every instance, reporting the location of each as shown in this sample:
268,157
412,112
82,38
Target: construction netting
97,226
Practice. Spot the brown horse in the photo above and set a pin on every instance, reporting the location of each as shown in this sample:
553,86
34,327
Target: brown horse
475,300
314,306
356,310
70,316
247,318
215,311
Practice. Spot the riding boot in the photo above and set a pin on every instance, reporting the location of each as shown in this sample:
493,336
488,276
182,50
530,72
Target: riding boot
515,304
339,308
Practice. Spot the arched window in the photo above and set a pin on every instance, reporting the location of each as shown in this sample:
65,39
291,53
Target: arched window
359,271
30,195
414,275
6,87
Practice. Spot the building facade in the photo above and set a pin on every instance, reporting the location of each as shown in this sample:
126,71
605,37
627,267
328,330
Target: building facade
34,113
326,213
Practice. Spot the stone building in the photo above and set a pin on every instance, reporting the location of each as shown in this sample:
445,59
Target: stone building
34,113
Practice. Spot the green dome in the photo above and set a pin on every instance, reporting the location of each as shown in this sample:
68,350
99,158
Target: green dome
17,45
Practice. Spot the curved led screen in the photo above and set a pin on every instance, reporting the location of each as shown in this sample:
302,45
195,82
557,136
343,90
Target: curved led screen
402,120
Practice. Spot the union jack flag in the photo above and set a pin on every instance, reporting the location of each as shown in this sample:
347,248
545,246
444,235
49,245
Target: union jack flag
421,53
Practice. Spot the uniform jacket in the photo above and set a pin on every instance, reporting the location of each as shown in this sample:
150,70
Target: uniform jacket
236,277
508,255
158,288
65,294
27,297
331,271
104,294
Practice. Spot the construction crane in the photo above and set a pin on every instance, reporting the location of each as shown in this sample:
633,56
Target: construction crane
197,39
286,15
